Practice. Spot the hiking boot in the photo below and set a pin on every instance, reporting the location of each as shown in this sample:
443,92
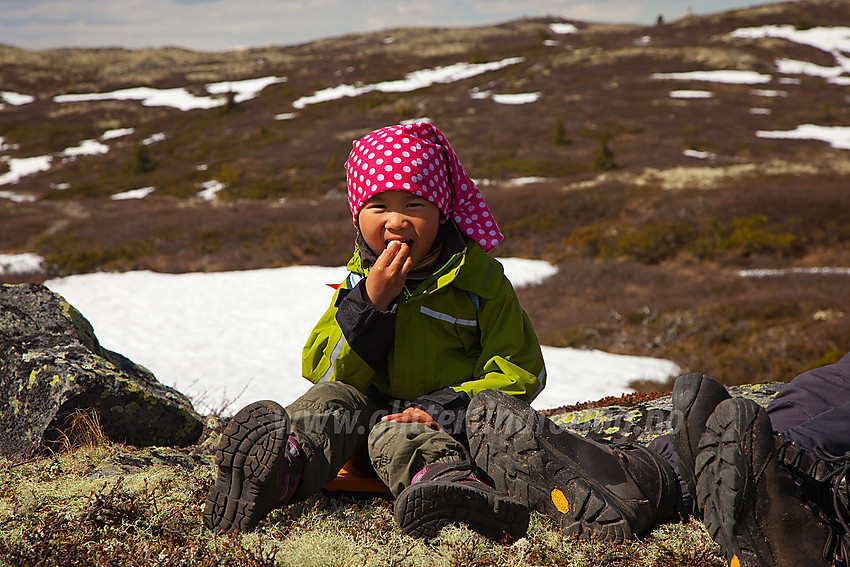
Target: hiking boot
751,507
810,469
694,397
259,468
445,493
591,490
823,478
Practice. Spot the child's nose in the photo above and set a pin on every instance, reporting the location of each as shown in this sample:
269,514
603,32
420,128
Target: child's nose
396,220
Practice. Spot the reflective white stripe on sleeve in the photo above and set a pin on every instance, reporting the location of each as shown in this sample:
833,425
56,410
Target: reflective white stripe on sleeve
444,317
334,355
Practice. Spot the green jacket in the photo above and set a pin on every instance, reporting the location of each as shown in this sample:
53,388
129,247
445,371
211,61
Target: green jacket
462,328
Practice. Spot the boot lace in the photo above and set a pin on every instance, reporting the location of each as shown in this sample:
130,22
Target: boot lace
838,479
824,476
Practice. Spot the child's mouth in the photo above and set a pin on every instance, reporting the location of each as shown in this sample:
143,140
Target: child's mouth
399,240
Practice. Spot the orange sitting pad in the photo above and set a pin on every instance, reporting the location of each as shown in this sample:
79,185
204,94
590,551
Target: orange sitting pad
352,478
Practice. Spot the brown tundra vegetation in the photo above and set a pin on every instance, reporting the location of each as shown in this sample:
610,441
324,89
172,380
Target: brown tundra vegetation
656,197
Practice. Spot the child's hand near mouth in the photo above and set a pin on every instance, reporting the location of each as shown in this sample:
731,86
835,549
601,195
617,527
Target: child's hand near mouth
386,277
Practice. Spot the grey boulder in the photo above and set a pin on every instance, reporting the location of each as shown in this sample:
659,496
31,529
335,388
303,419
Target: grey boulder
52,365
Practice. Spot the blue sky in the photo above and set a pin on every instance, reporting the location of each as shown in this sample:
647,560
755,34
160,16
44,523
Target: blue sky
213,25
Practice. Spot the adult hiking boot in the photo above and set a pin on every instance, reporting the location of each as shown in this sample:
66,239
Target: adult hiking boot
592,490
751,507
446,493
259,468
825,481
695,397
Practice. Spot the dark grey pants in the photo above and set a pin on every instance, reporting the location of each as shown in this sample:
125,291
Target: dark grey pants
814,409
333,421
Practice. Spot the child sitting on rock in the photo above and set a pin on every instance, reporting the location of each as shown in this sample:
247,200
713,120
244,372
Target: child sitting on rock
424,321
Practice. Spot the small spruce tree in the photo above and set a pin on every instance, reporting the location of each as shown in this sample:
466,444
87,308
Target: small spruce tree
603,160
559,134
144,162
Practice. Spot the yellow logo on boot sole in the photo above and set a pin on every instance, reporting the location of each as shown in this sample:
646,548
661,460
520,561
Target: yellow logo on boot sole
560,501
735,562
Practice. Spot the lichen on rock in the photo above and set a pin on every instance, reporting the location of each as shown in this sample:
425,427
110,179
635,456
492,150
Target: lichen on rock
51,364
641,422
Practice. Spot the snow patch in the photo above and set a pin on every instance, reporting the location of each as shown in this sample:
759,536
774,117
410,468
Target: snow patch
771,272
154,139
21,167
17,197
19,264
834,40
411,82
140,193
243,90
516,98
516,182
210,190
795,67
699,155
180,98
116,133
731,77
691,94
86,148
562,28
524,272
16,99
836,136
5,147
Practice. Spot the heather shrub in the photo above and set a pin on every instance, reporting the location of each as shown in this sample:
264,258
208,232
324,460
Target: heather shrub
710,239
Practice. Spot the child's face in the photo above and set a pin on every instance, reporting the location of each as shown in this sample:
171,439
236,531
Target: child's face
402,216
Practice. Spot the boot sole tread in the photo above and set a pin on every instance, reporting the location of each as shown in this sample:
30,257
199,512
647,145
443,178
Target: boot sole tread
527,469
686,390
251,446
423,509
724,491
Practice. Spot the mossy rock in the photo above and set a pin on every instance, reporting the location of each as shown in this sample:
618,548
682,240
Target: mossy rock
642,422
52,366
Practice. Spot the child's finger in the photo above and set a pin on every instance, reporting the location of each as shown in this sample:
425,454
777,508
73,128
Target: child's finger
413,415
395,417
402,262
387,255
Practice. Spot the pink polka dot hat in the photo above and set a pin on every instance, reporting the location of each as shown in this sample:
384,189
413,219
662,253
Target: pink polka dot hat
419,159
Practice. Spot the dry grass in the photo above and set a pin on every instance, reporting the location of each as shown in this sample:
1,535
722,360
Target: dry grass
82,429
